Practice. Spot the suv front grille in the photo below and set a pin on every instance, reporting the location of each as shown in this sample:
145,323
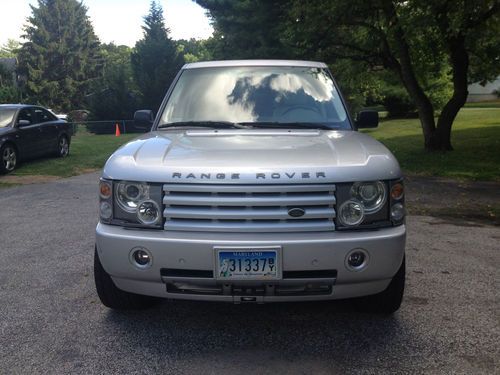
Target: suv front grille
248,208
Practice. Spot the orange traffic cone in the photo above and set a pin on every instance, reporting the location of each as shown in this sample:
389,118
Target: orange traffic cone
117,131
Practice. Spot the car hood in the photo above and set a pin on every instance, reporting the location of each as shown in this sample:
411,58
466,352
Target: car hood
252,156
5,130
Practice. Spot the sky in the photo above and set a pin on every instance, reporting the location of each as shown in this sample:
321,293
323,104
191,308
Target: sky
117,21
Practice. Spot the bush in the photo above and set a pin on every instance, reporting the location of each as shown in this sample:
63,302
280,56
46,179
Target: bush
9,94
397,102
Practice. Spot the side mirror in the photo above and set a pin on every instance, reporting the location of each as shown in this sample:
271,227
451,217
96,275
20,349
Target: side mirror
367,119
24,122
144,119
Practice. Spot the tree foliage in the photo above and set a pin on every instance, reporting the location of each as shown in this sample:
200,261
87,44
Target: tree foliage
155,61
247,29
10,48
433,47
61,56
9,92
114,95
422,42
193,50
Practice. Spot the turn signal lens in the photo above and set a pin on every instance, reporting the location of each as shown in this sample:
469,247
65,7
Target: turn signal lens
105,189
397,191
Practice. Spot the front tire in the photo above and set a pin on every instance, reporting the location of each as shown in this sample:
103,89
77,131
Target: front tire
8,158
113,297
388,301
63,146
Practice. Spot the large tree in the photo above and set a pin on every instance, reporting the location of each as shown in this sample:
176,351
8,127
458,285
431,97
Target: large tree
114,96
429,45
247,28
155,61
61,56
416,40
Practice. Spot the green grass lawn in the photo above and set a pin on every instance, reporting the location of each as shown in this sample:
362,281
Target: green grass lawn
475,138
489,104
88,152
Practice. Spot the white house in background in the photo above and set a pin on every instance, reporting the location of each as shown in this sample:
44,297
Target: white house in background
478,93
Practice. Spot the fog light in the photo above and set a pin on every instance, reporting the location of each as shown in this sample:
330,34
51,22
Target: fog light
397,212
357,260
141,258
105,210
148,212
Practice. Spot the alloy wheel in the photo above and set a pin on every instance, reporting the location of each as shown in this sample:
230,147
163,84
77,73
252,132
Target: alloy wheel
63,147
9,158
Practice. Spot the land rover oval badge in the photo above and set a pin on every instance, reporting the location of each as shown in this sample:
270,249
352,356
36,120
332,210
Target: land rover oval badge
296,212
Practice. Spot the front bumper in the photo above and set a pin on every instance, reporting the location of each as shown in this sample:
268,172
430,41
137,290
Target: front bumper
194,252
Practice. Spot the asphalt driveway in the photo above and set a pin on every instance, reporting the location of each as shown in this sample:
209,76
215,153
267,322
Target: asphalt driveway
52,322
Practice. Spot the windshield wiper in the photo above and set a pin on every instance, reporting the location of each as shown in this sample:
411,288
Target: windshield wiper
203,124
295,125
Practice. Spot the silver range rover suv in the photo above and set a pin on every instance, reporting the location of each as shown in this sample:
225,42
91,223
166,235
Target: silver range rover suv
253,185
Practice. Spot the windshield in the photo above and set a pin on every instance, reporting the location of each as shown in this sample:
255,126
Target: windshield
256,95
6,116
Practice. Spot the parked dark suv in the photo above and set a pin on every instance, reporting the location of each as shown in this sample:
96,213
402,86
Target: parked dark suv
28,131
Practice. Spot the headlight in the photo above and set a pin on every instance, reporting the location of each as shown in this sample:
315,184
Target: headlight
129,194
369,204
148,212
372,195
131,203
351,213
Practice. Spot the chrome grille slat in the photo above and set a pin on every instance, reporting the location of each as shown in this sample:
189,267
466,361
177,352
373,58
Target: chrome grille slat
266,214
253,226
278,200
248,208
211,188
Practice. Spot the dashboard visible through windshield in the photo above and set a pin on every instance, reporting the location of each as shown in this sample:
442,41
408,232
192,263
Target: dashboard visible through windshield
264,96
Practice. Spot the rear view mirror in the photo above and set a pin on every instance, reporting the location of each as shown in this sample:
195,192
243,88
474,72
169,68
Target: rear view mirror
144,119
367,119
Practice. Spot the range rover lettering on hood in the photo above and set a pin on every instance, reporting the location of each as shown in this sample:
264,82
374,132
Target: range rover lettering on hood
258,176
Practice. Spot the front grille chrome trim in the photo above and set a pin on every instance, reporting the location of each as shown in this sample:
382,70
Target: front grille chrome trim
248,208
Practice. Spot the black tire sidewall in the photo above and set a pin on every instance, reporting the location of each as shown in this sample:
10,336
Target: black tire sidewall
4,170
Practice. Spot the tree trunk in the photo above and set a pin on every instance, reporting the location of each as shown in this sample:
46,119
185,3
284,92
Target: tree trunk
459,60
404,69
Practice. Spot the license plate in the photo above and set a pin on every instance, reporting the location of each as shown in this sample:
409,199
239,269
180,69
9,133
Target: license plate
247,264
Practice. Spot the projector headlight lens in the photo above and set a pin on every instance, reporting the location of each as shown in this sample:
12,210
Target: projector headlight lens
148,212
371,194
351,213
130,194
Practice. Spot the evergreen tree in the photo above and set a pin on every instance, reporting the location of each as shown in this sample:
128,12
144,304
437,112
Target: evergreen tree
247,29
114,95
156,60
9,49
61,55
